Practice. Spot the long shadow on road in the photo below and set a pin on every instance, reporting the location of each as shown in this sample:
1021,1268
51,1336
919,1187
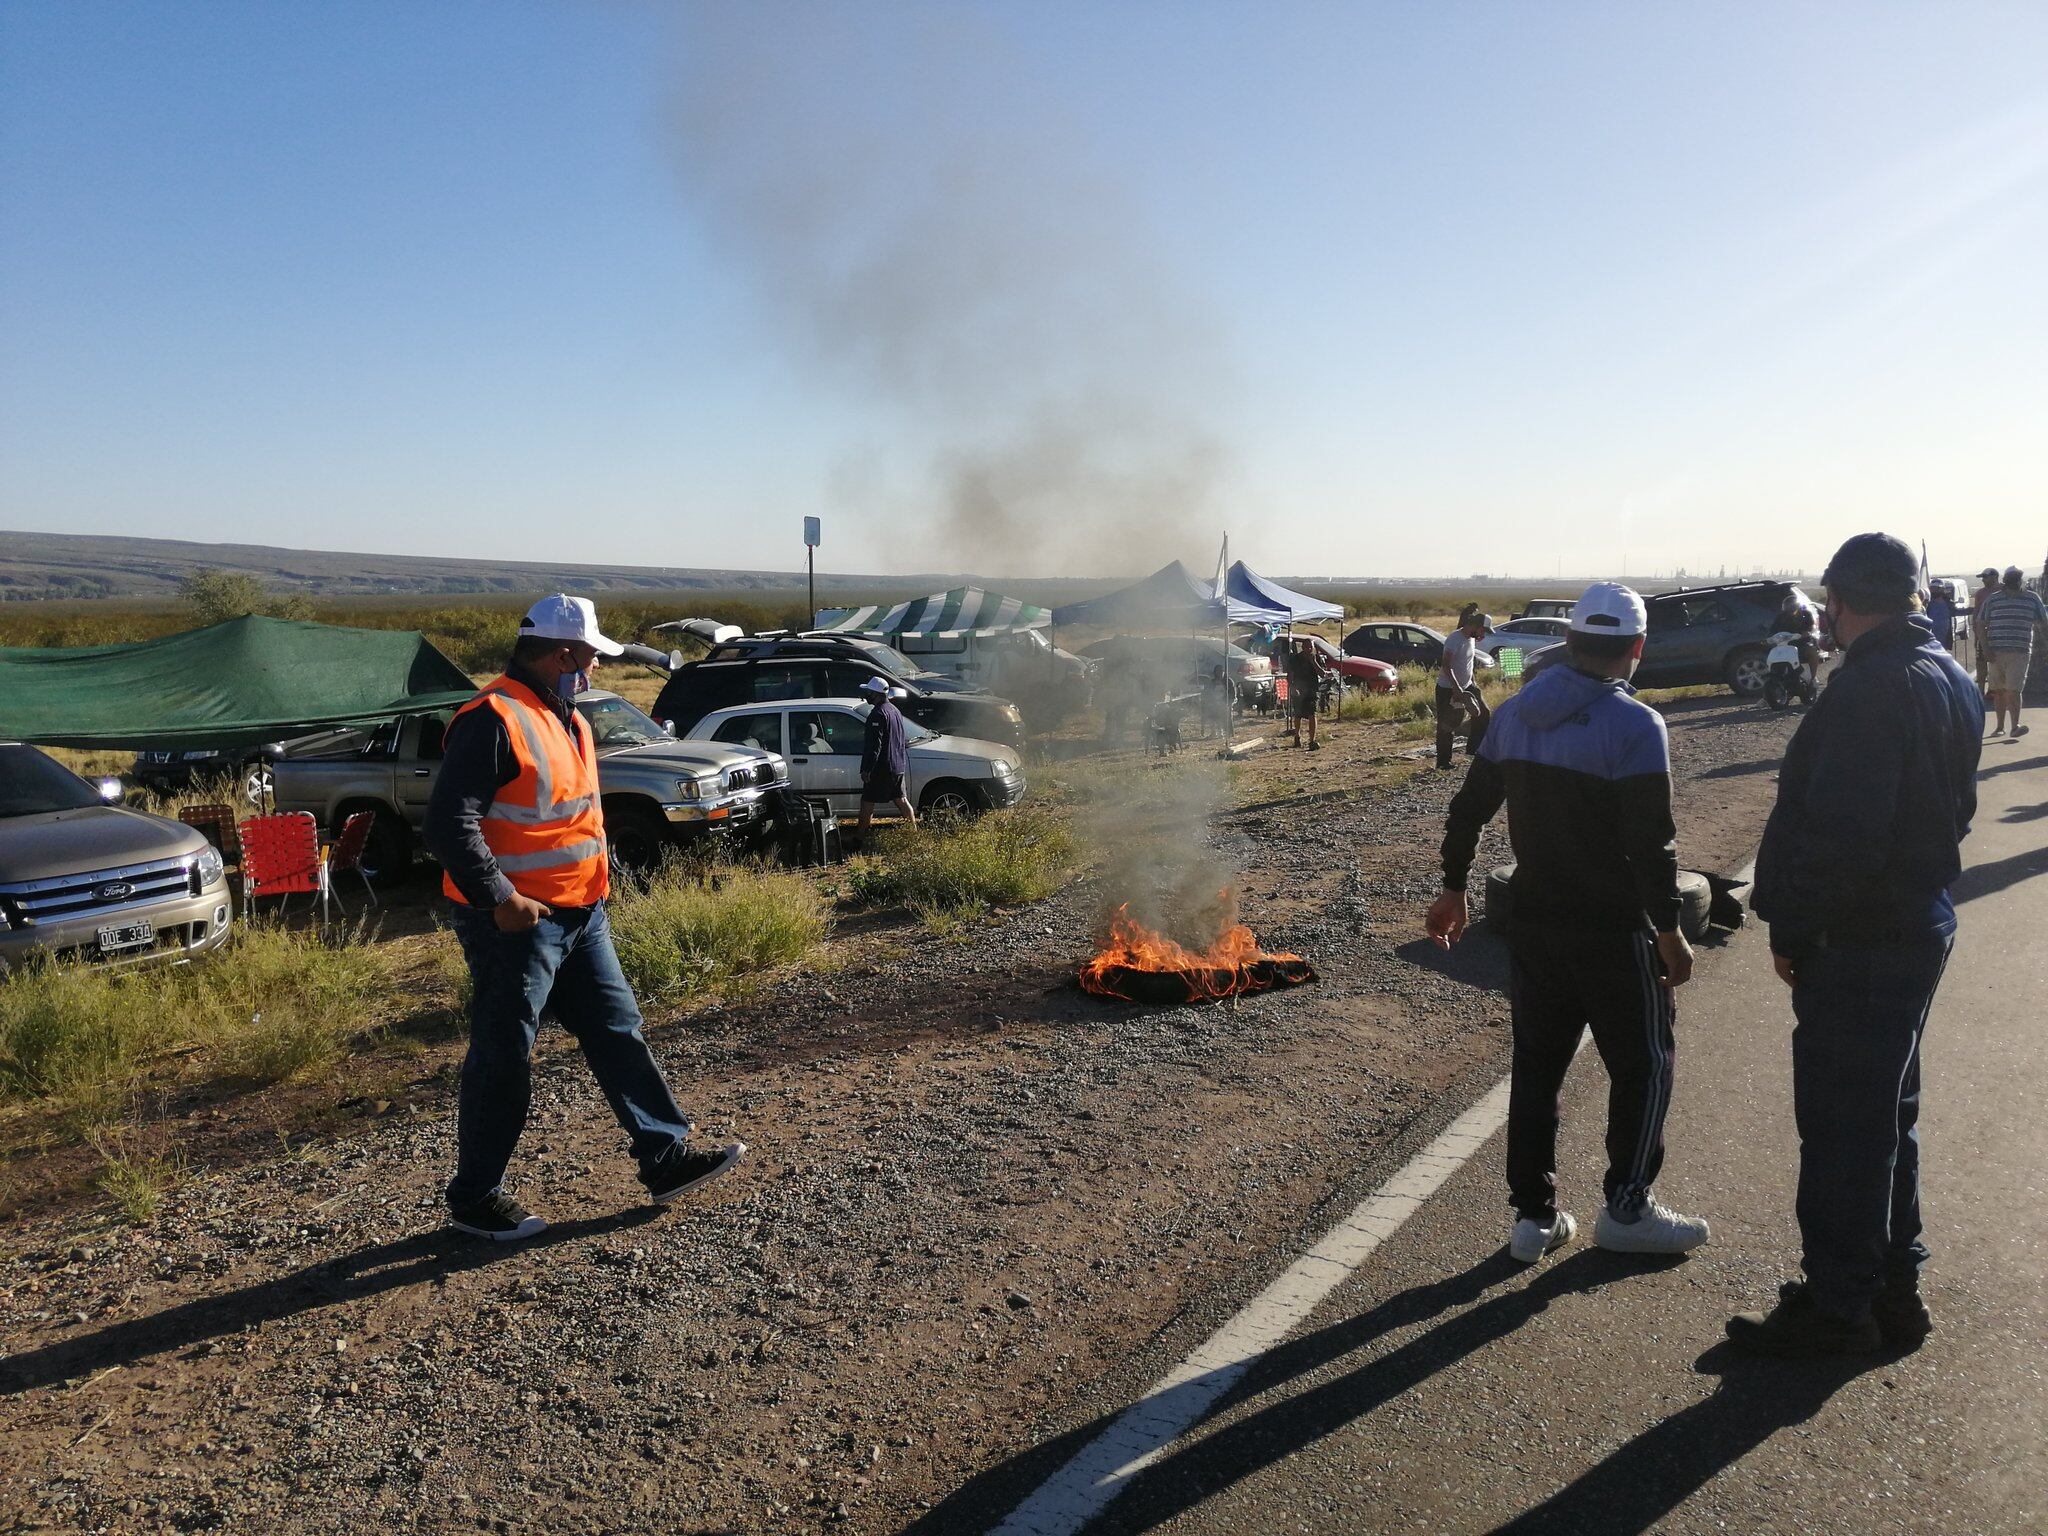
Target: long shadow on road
1208,1464
1999,874
413,1260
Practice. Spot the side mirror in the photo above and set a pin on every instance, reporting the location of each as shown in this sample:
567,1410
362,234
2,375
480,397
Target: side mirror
111,790
668,727
675,661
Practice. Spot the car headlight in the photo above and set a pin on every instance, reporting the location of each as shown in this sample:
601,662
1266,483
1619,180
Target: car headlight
1003,769
690,789
209,867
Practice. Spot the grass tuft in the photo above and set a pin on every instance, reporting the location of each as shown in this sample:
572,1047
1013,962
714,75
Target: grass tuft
680,931
134,1179
946,871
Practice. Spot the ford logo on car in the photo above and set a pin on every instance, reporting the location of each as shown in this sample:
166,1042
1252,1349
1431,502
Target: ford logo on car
114,890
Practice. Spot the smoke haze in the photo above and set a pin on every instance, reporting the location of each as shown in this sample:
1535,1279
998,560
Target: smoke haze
1043,397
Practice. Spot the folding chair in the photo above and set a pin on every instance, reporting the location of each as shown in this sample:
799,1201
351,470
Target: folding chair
215,823
345,855
281,857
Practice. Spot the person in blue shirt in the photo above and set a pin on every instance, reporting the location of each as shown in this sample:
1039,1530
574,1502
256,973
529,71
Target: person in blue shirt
1876,793
884,758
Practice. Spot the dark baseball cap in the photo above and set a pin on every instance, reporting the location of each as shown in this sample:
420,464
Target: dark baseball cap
1874,564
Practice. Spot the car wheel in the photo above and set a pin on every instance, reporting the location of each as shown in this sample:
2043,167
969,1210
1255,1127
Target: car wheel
1747,670
948,798
258,781
637,834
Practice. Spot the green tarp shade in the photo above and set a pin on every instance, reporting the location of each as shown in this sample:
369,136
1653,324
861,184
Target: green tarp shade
247,680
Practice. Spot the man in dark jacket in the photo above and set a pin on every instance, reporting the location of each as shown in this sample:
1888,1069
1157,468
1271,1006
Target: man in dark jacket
1586,774
884,758
1877,791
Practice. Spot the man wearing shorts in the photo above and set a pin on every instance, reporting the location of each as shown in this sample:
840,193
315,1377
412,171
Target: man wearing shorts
884,758
2006,623
1304,682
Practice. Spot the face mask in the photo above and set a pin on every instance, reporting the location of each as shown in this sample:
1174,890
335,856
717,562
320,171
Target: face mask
569,684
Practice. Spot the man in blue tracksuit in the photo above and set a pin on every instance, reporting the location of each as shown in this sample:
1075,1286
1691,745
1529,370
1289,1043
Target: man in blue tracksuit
1877,791
1585,772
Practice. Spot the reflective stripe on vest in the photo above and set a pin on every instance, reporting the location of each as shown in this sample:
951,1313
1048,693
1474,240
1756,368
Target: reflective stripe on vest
551,849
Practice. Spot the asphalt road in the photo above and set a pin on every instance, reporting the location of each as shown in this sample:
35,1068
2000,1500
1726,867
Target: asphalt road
1446,1389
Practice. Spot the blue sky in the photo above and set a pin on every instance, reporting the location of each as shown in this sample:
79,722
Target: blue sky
1032,288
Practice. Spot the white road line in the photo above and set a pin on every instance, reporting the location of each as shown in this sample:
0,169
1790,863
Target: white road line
1083,1488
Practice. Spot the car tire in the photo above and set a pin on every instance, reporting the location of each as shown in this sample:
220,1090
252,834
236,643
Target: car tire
636,833
1747,669
948,798
1695,901
259,783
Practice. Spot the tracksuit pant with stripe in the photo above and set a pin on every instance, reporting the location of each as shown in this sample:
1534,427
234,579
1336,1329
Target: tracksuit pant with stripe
1564,980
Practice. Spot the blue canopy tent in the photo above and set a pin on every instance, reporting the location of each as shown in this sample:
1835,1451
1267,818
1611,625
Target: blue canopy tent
1244,585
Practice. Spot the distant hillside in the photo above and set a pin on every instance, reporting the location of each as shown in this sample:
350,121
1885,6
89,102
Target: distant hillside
67,565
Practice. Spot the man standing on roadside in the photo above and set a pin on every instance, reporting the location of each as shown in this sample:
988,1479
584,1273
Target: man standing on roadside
1987,586
516,823
1458,699
884,758
1304,683
2006,623
1586,773
1877,790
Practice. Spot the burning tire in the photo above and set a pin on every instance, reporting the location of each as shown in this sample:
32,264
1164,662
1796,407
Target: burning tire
1137,964
1695,901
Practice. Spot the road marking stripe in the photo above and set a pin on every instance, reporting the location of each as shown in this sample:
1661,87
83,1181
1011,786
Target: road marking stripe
1084,1487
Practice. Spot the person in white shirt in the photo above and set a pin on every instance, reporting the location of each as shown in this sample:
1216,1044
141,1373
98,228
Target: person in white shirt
1458,702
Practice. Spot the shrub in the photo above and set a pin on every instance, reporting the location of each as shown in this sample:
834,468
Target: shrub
939,869
73,1034
678,932
134,1179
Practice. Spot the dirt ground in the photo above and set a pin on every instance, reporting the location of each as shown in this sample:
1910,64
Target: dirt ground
973,1191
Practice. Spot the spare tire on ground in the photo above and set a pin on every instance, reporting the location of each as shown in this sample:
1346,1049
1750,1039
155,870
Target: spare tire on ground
1695,901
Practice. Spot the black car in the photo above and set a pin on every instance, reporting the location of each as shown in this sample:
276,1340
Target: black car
696,689
828,647
1718,634
1396,643
242,771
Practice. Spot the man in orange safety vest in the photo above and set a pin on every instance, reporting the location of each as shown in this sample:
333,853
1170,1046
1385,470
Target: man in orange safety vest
517,823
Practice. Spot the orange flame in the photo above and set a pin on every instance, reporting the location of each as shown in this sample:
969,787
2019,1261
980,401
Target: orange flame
1233,963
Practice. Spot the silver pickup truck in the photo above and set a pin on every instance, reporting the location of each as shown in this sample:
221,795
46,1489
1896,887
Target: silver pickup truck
658,792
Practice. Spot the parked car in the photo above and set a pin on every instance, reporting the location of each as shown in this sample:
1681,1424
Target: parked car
1397,644
821,740
658,792
1357,671
888,658
1718,634
698,688
85,879
1549,608
1023,664
1183,662
1525,635
243,769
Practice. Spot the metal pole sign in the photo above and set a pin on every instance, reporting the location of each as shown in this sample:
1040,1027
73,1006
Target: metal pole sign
812,538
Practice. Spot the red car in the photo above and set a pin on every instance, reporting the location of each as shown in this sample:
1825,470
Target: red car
1356,671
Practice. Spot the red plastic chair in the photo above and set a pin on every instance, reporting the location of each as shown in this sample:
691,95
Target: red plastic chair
281,857
345,854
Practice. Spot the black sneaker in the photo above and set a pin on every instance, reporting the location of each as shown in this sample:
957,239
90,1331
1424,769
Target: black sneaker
497,1216
1901,1316
686,1170
1795,1326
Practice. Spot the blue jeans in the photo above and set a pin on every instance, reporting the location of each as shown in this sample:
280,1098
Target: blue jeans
565,964
1856,1098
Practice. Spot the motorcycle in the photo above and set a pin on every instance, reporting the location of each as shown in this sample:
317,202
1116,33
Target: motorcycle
1788,675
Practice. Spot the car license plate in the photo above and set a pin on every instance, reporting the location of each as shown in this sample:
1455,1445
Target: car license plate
126,936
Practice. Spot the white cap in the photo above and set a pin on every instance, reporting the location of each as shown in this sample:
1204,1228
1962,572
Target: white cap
875,686
1609,608
563,617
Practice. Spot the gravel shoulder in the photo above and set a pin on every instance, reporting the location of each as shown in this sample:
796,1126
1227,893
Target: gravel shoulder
976,1195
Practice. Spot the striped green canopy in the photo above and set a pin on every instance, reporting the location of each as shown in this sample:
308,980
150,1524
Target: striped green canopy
962,611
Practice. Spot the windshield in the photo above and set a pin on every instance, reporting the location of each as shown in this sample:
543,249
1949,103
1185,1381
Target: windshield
615,723
31,784
912,731
892,661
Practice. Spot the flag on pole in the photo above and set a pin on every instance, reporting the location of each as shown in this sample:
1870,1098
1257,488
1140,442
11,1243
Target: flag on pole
1222,565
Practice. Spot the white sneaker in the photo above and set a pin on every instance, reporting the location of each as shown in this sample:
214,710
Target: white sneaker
1658,1229
1531,1240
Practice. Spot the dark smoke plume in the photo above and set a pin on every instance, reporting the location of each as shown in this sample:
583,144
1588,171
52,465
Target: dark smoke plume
930,239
